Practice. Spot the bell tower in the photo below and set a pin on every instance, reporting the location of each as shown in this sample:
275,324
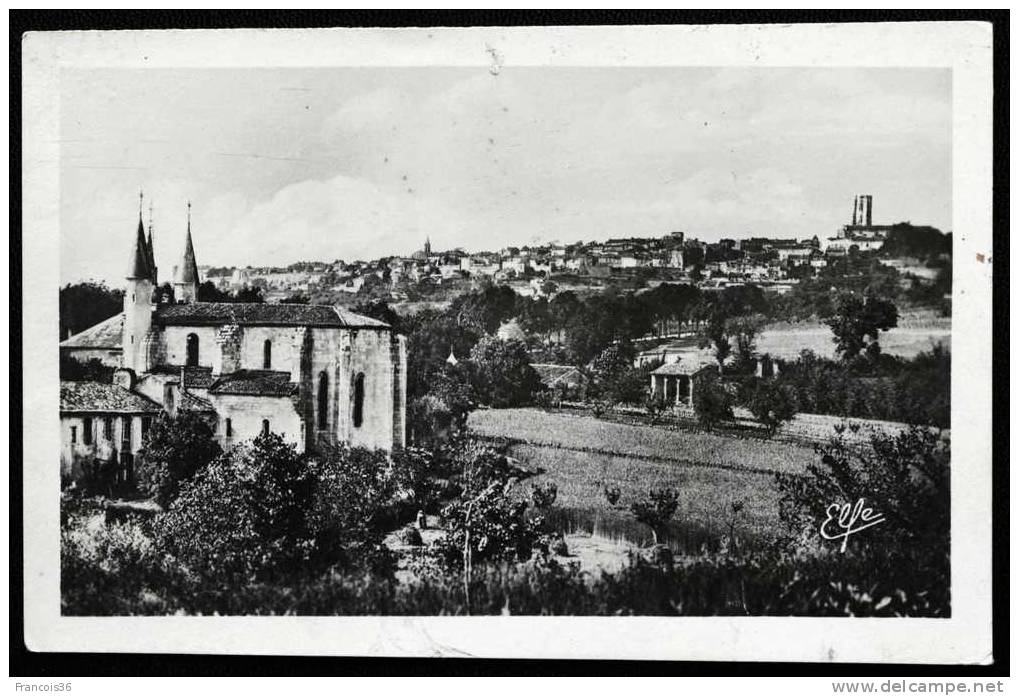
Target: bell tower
138,294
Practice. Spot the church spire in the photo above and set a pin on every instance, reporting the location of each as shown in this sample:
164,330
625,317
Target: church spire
185,279
140,265
150,243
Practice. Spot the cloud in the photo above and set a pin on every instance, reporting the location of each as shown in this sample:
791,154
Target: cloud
364,163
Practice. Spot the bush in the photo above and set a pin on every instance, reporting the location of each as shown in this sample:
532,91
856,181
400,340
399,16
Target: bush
485,523
242,518
904,477
111,569
771,403
711,401
656,510
501,373
176,448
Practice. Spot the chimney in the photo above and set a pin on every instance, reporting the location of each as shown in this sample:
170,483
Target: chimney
870,206
856,204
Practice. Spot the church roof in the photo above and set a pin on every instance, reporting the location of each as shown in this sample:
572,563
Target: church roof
108,334
99,397
255,383
262,314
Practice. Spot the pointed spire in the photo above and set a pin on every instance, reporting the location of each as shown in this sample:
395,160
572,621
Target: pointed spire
152,249
187,271
139,267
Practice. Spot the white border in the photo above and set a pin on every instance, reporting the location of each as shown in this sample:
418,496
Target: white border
963,47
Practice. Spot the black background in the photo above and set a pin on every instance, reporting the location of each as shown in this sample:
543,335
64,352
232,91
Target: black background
24,663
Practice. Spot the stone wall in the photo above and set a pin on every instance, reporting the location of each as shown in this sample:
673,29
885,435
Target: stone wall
175,340
246,414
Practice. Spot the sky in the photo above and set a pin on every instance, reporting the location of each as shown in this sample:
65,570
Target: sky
285,165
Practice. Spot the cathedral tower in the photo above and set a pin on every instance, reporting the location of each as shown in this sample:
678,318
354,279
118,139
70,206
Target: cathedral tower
138,300
185,276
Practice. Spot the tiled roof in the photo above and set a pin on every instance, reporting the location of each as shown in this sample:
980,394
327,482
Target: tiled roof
255,383
99,397
685,366
190,402
196,377
106,334
262,314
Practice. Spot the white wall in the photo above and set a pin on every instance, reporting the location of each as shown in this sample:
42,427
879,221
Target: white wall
246,414
175,344
73,453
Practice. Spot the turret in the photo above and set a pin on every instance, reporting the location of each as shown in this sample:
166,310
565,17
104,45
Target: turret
185,276
138,301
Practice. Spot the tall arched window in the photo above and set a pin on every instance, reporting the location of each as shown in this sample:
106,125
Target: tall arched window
267,355
192,350
322,421
265,426
358,400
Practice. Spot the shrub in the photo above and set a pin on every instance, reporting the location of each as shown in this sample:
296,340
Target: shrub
711,401
111,569
354,501
501,373
176,448
656,510
904,477
771,403
243,516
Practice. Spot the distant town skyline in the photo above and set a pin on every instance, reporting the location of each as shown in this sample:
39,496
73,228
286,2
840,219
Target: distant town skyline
288,165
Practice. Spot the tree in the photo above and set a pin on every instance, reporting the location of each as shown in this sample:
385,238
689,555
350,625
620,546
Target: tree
175,450
208,292
655,406
380,309
441,413
905,477
296,298
858,319
771,403
656,510
714,334
83,305
501,373
485,310
352,506
93,370
243,517
711,401
744,330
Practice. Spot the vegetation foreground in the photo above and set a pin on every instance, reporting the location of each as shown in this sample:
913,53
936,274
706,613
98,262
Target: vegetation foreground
261,529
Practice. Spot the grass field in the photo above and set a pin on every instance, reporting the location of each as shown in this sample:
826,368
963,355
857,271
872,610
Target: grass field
582,455
909,338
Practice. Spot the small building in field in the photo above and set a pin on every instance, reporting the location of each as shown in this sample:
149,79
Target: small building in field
676,382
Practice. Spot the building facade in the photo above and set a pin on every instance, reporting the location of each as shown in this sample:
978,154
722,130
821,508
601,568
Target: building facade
313,374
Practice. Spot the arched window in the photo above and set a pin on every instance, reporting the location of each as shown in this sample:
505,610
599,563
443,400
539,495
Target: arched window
229,428
267,355
358,400
322,421
265,426
192,350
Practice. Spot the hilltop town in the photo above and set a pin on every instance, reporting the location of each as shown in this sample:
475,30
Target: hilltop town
775,264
